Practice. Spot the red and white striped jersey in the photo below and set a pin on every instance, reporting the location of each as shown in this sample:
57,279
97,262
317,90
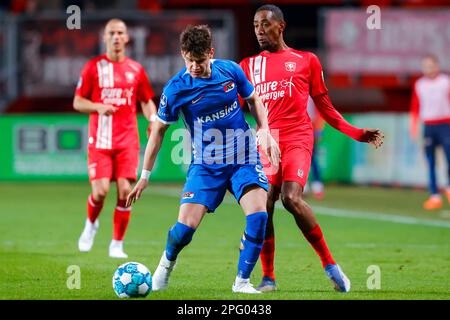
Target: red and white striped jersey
431,99
284,80
120,84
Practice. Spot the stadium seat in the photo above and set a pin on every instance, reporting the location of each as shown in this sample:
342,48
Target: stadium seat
340,80
373,80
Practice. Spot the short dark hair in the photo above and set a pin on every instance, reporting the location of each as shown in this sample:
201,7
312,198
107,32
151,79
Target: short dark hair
431,56
196,40
277,13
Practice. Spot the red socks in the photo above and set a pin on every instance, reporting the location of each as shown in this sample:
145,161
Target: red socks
317,241
267,256
314,237
93,208
121,219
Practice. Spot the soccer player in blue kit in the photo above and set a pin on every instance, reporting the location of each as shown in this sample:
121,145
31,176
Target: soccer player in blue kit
224,152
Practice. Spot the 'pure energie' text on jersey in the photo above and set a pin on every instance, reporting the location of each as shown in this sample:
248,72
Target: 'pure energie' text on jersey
284,80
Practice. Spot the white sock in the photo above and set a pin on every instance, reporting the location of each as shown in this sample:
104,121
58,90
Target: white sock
241,280
116,244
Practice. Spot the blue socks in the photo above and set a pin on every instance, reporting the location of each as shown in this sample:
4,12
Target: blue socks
178,237
251,243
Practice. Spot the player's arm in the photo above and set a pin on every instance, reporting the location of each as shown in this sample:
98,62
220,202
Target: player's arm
337,121
83,92
268,144
319,94
414,111
264,139
151,151
145,95
149,110
85,105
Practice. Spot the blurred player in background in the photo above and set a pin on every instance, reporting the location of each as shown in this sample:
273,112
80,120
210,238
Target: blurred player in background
316,183
430,104
205,92
109,88
285,78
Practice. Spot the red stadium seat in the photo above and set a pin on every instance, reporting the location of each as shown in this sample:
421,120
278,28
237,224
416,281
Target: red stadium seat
340,80
371,80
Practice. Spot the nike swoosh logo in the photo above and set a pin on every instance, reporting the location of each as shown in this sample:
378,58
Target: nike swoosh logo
249,262
197,100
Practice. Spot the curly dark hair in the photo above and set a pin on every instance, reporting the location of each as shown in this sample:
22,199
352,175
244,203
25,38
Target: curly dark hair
196,40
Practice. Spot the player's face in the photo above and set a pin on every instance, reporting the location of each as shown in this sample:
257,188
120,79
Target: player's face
115,36
430,67
198,66
268,30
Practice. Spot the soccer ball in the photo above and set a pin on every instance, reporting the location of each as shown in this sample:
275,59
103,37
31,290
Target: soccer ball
132,280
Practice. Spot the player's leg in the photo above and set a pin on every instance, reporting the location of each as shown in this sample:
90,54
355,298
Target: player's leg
126,162
203,192
100,172
121,219
100,188
316,181
431,141
178,237
248,184
444,134
268,250
291,195
274,175
295,174
253,203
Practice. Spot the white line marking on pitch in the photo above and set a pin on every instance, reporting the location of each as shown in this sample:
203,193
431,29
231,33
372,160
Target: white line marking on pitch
344,213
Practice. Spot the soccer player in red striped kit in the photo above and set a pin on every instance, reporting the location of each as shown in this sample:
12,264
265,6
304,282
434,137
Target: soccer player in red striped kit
284,78
109,88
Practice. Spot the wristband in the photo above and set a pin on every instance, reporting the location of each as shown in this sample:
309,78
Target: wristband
152,117
145,174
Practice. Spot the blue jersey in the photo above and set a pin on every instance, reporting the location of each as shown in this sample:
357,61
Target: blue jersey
212,114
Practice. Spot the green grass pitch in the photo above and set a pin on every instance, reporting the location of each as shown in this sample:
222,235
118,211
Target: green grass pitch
41,223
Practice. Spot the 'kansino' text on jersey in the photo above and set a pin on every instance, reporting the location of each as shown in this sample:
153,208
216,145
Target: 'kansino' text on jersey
211,112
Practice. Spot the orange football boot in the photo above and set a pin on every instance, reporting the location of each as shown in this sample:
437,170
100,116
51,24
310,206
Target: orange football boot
433,203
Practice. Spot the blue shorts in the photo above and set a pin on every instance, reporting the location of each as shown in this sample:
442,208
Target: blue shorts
207,184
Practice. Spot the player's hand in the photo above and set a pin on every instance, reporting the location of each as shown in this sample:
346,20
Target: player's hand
269,146
373,136
135,194
106,109
413,132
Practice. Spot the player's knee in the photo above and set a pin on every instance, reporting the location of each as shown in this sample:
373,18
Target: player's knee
100,194
123,193
291,200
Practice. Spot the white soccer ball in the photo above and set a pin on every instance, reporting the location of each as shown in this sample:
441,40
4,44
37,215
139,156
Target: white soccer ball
132,280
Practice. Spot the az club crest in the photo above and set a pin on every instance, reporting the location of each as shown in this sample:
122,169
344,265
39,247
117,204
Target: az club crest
228,86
